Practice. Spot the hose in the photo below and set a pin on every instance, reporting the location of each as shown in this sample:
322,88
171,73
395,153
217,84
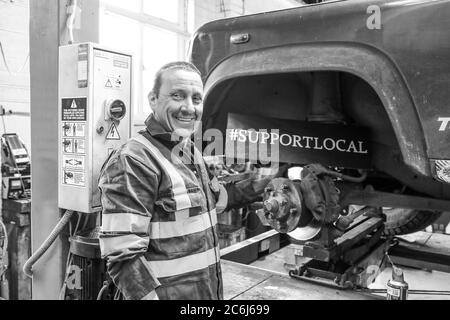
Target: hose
4,287
102,290
27,268
361,178
5,243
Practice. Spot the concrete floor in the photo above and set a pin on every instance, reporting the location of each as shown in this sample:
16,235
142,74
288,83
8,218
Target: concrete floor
416,279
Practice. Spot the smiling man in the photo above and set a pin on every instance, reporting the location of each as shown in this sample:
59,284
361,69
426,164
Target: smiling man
159,217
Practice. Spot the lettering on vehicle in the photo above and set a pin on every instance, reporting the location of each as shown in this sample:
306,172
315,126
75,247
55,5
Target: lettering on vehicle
444,123
300,142
296,141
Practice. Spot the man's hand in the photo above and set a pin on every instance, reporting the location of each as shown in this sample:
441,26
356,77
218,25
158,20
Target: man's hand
249,190
259,182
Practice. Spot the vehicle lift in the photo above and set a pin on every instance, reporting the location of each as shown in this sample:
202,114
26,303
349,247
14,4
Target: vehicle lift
351,260
342,247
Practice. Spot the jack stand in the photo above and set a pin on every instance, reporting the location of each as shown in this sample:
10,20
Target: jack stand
353,260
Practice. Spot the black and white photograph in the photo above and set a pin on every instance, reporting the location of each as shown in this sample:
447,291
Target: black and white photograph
235,157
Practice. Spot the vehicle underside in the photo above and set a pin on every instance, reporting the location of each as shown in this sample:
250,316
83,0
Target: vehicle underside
332,97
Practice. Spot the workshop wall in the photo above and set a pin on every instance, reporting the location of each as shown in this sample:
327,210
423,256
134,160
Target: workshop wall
14,56
15,67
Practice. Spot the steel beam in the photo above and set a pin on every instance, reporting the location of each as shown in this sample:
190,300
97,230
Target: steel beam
385,199
47,20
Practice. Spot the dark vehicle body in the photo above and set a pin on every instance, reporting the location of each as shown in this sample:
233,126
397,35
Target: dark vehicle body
392,77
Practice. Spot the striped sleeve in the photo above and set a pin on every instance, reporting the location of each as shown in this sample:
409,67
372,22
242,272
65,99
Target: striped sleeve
128,189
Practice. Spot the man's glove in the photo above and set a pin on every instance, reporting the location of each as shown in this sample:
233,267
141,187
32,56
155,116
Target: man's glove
251,189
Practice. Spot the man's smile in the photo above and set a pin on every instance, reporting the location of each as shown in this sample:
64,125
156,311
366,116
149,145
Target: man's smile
186,119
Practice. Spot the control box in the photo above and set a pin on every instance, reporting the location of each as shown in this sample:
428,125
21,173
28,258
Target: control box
94,119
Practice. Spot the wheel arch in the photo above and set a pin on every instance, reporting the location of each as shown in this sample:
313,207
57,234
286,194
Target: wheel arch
365,62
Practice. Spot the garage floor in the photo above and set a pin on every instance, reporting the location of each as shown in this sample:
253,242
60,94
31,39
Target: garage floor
267,278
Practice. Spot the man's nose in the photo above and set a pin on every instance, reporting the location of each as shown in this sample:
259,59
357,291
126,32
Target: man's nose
188,106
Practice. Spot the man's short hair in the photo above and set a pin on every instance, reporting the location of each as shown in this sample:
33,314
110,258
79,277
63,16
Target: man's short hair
177,65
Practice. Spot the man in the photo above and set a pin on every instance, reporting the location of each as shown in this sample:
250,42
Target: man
159,219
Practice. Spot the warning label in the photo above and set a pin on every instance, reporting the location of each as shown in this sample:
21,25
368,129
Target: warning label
78,146
113,134
75,178
74,109
73,168
74,129
120,64
73,163
74,146
113,82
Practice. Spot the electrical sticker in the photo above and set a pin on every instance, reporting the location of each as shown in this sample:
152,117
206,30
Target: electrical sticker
113,134
108,84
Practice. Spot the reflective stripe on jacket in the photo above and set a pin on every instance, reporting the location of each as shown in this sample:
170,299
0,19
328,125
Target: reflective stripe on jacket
159,222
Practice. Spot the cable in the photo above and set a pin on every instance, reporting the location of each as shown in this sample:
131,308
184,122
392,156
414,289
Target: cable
6,63
102,290
27,268
77,225
4,58
71,20
85,223
222,8
24,64
361,178
5,245
62,292
4,287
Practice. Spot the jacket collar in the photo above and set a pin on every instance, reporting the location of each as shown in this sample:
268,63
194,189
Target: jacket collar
155,129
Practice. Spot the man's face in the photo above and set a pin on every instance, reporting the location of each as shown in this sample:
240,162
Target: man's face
179,103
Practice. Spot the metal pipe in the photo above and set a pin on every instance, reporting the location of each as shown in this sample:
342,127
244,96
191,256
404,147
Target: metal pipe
345,177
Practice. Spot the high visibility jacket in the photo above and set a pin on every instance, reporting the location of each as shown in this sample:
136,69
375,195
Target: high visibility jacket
158,229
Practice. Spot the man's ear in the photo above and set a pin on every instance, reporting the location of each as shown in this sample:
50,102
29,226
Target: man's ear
152,99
